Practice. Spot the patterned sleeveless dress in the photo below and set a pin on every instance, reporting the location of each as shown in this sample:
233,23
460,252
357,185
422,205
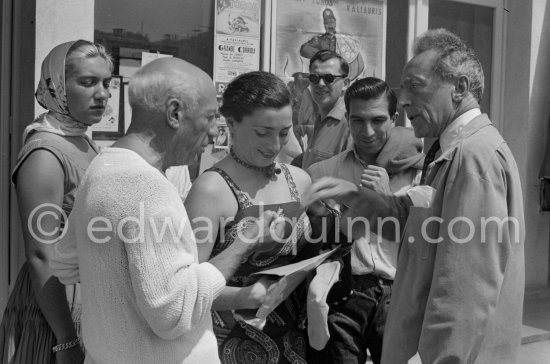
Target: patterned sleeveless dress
281,340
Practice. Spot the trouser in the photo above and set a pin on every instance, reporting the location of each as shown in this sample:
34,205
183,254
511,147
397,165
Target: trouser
356,323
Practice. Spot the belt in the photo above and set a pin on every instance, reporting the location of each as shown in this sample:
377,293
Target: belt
343,299
372,278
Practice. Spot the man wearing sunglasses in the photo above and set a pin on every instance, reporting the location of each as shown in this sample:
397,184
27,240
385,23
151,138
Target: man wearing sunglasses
328,80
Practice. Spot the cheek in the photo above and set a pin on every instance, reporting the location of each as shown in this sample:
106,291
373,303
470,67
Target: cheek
76,99
355,130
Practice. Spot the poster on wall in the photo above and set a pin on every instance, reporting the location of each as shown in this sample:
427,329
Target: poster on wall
111,125
355,29
237,40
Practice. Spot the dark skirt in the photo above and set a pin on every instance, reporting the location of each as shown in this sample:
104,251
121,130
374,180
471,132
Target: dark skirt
25,336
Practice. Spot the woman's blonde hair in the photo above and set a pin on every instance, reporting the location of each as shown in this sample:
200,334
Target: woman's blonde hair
85,49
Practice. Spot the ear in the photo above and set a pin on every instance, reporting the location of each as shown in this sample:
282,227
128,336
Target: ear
461,89
394,118
230,124
174,113
346,84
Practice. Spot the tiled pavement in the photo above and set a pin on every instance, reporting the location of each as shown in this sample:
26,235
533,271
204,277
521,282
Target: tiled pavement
536,330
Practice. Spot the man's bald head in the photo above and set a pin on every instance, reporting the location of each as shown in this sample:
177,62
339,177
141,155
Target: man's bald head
157,82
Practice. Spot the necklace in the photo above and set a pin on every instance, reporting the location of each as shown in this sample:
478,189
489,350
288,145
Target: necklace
269,171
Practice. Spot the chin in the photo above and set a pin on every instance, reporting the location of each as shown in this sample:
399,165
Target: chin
91,122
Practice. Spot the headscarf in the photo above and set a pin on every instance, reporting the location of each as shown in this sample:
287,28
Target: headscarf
51,95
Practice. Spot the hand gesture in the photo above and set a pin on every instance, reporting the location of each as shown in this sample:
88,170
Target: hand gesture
259,291
377,179
329,188
263,233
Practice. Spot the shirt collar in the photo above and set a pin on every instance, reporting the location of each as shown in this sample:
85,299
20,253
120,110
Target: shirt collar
356,156
338,111
453,132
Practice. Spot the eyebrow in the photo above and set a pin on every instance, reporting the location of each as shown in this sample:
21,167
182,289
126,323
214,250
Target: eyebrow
270,127
377,116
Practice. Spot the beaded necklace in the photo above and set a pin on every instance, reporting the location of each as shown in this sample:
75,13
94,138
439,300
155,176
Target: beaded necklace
269,171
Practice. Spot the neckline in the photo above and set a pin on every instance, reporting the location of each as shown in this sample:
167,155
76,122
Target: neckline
269,171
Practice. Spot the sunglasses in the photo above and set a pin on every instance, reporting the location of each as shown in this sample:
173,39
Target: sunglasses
328,78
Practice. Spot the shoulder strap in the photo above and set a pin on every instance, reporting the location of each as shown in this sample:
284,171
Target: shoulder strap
242,198
290,182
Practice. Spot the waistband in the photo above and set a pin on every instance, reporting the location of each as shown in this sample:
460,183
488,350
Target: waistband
372,278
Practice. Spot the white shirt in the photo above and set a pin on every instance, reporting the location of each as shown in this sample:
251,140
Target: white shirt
421,196
453,132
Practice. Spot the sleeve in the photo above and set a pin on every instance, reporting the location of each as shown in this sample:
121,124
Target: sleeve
318,170
173,291
420,195
470,264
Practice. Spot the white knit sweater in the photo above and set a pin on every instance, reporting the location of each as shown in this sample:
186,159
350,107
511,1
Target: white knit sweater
145,299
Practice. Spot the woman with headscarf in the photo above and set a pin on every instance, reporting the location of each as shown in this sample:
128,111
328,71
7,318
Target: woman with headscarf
41,320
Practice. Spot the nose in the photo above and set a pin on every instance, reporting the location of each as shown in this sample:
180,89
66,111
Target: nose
369,131
275,144
403,98
102,92
213,129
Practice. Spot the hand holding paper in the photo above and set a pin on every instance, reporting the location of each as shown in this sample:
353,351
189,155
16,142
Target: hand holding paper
288,278
263,233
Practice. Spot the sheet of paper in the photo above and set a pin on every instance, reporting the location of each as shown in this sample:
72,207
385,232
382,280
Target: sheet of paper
308,264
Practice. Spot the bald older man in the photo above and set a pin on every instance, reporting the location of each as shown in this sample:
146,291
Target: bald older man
146,299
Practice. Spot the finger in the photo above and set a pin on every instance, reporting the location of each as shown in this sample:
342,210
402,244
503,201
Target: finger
328,187
323,194
373,167
373,173
368,177
277,229
368,184
268,217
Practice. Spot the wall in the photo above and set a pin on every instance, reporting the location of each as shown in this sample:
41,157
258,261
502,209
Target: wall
538,223
59,21
525,118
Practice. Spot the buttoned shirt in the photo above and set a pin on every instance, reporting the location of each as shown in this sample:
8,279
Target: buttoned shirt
371,253
330,136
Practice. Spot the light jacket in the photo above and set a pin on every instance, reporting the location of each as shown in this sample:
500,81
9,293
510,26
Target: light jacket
460,299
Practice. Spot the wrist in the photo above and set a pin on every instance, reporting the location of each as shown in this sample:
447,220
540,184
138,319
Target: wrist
242,247
66,336
74,343
253,298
